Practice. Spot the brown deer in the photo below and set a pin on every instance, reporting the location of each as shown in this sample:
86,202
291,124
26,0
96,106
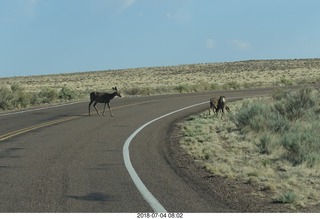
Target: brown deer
218,105
99,97
213,102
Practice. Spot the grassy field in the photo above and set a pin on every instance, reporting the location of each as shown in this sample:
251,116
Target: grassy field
20,92
271,143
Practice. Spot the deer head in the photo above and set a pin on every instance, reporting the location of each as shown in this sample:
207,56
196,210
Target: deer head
116,89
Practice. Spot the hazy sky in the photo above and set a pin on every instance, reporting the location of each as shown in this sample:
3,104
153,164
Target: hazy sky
62,36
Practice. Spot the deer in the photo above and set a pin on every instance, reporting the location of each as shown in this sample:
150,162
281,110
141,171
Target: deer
218,105
212,106
99,97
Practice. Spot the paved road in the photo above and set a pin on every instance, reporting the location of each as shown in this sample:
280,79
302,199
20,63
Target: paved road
62,160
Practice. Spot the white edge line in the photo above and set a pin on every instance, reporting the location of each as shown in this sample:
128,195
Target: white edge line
146,194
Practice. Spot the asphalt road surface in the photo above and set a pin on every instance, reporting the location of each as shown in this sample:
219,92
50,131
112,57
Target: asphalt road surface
59,159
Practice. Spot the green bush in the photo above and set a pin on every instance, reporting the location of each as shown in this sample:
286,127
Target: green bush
14,97
293,118
286,197
266,144
294,104
232,85
47,95
183,88
5,98
302,144
286,82
67,94
253,116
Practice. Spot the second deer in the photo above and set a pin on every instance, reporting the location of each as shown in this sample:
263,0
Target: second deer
218,105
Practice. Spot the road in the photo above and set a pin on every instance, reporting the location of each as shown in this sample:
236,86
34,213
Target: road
59,159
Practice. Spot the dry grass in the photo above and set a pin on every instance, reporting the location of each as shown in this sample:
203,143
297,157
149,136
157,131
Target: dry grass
232,75
225,149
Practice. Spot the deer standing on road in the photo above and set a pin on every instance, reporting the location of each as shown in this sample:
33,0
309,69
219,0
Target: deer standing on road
218,105
99,97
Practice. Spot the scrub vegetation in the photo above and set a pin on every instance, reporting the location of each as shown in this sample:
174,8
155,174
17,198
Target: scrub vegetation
20,92
271,142
16,97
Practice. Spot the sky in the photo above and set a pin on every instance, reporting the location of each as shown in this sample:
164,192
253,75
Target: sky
64,36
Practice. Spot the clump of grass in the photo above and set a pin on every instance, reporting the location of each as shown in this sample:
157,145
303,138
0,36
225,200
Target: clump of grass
286,198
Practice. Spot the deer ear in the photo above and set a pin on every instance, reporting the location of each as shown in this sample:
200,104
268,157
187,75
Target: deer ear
115,88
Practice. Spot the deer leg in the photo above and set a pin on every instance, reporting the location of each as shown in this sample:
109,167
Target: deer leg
90,106
110,110
94,105
212,107
222,113
104,109
217,110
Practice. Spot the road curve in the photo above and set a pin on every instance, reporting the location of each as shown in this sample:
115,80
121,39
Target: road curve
62,160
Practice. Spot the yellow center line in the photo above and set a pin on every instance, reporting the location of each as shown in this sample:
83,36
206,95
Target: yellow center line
46,124
31,128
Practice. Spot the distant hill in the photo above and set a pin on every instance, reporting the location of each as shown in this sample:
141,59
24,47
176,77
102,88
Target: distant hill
191,77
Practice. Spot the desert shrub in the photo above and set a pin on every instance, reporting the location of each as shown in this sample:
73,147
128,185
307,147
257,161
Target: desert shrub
215,86
294,104
302,143
278,94
277,123
20,98
252,116
146,91
132,91
266,144
286,197
13,97
232,85
16,88
183,88
140,91
5,97
292,118
47,95
67,93
276,115
286,82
